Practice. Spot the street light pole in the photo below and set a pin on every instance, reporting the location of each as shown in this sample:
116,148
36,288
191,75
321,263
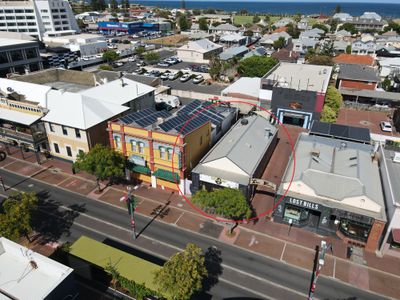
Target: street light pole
321,262
131,203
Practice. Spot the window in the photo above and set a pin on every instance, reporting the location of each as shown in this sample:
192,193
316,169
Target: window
31,53
56,149
16,55
141,147
28,10
133,146
69,152
51,127
77,133
3,58
162,153
44,11
117,140
64,130
169,154
80,151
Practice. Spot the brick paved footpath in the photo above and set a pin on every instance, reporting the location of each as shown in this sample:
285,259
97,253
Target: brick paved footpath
380,275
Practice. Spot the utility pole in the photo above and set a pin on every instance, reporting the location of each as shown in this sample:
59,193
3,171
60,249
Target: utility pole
317,269
131,203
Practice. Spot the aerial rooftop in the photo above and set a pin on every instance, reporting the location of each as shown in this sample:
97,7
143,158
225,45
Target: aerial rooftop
300,76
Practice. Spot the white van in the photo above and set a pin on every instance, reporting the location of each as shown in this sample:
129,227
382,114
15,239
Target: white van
170,100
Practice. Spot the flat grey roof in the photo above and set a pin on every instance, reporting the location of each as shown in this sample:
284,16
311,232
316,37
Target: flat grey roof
371,94
243,146
301,76
394,173
68,86
340,171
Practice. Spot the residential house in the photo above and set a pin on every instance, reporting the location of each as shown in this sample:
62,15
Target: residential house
387,51
286,55
223,29
232,52
162,149
359,77
343,35
312,199
304,24
18,55
258,51
283,22
363,48
235,39
352,59
340,46
342,17
303,45
211,18
199,51
297,92
315,34
371,16
362,24
268,40
389,66
226,166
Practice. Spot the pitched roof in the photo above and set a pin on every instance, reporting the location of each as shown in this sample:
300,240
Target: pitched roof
202,46
354,59
280,29
86,111
358,72
224,27
285,55
244,85
233,51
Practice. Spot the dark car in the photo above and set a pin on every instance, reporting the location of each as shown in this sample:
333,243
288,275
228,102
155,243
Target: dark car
163,106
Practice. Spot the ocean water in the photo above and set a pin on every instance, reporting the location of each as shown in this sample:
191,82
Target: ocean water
355,9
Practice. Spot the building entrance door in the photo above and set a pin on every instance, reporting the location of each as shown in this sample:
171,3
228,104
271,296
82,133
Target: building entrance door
313,219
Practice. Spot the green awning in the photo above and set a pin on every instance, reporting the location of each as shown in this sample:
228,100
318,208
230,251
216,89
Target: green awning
167,175
141,169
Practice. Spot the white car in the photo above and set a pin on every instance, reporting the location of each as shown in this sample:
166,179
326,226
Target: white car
132,59
173,76
165,75
198,79
185,77
386,126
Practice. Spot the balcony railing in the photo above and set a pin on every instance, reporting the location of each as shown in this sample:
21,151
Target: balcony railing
33,138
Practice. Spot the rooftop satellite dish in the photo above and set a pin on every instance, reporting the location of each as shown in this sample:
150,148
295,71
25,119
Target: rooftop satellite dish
10,89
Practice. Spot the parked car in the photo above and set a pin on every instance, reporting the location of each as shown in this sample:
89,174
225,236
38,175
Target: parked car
132,58
118,64
186,70
386,126
163,106
141,63
198,79
185,77
172,101
155,73
165,75
173,76
163,64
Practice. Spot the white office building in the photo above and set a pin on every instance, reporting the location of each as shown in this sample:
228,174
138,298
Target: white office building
35,17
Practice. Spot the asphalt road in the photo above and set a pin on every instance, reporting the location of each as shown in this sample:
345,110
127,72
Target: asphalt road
245,272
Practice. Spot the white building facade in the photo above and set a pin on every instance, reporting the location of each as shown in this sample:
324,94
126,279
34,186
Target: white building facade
35,17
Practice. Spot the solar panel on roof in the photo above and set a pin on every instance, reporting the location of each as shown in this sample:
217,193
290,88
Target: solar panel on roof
344,132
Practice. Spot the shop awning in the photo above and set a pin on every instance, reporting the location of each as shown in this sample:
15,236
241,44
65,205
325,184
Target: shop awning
141,170
396,235
167,175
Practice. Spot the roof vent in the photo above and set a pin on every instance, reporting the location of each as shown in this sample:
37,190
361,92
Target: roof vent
244,121
343,145
315,152
248,145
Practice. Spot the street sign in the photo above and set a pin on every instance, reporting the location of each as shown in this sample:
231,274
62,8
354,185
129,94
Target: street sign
256,181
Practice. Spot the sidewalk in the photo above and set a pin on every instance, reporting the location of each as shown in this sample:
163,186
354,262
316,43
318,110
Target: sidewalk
297,247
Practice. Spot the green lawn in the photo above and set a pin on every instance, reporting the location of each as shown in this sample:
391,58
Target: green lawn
241,20
129,266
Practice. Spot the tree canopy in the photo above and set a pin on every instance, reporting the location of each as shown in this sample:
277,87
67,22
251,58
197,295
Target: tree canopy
215,67
348,27
292,30
203,24
226,202
184,23
16,214
321,26
102,162
182,275
328,49
256,19
248,33
98,5
256,66
152,57
333,102
321,60
279,43
110,56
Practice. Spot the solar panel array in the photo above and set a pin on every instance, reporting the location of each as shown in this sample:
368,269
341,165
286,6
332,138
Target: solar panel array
210,113
349,133
144,117
176,123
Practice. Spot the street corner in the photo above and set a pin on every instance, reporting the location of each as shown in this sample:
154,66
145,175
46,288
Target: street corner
77,185
304,258
264,245
23,168
51,176
159,211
